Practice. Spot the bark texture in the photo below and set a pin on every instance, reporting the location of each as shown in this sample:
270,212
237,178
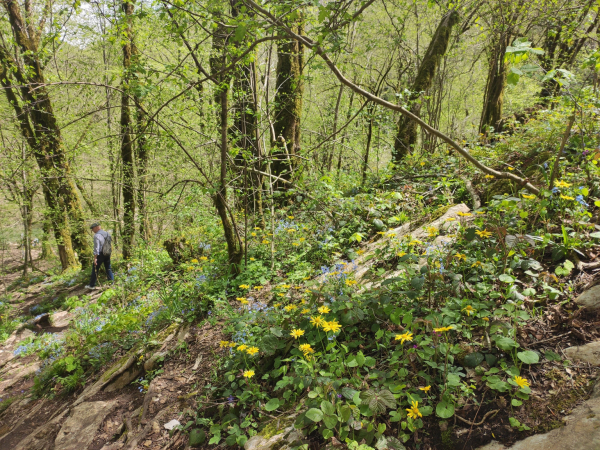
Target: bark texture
407,128
287,108
493,100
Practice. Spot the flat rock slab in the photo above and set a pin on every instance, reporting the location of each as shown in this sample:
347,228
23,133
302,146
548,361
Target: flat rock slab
589,353
590,299
61,319
581,432
78,431
17,373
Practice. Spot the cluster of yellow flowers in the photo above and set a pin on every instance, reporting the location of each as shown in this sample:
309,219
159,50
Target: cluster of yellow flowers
562,184
250,350
227,344
483,233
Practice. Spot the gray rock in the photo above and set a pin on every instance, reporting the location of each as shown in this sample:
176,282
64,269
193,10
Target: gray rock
581,432
61,319
589,353
79,429
172,424
290,437
590,299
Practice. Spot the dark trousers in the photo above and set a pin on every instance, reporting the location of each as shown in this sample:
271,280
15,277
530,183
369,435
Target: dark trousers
101,259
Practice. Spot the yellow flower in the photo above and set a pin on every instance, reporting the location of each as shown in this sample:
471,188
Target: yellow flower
443,329
332,326
295,244
224,344
252,350
480,212
244,286
425,389
461,256
244,301
203,258
276,305
232,344
265,241
359,252
257,228
489,177
566,197
487,319
258,288
401,254
450,219
528,197
422,163
290,217
290,307
316,321
477,264
240,299
306,349
297,333
404,337
432,231
413,411
242,347
415,242
302,239
252,259
468,309
323,310
194,261
511,168
248,373
462,214
285,286
305,311
521,382
563,184
350,282
281,294
484,234
290,230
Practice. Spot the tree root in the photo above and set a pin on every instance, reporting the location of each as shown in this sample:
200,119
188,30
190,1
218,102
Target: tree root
476,424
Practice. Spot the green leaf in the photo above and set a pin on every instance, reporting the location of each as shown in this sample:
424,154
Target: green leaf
330,421
596,234
473,359
516,402
529,357
272,404
327,407
345,412
444,409
197,437
327,433
506,278
314,414
505,343
551,356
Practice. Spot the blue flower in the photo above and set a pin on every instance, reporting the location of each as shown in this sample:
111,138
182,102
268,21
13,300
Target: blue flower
581,201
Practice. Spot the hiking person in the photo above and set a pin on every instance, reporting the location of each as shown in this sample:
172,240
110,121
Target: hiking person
102,251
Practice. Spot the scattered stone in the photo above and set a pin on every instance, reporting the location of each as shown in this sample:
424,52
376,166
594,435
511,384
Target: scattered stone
589,353
16,374
172,424
590,299
581,431
290,437
79,429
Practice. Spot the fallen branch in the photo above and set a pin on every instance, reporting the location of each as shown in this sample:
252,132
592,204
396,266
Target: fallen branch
309,43
476,424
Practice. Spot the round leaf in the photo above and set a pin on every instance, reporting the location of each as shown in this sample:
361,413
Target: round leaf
314,414
444,409
529,357
272,404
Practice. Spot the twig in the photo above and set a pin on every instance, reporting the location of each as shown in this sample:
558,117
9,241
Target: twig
547,340
476,424
560,150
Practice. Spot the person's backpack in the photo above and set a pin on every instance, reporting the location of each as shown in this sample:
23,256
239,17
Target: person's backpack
107,246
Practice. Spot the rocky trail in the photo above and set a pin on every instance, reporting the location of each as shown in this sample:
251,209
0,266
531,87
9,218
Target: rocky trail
109,412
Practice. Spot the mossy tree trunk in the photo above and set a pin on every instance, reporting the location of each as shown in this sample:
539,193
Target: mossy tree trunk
493,100
287,108
40,129
127,150
406,137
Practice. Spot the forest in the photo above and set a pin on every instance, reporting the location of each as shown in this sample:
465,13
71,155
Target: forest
299,224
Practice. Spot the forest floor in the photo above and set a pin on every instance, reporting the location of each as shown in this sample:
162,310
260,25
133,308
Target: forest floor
113,413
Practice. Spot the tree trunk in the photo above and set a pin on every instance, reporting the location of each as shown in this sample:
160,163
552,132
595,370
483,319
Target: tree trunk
288,104
47,251
335,125
407,129
365,164
127,154
40,129
493,100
